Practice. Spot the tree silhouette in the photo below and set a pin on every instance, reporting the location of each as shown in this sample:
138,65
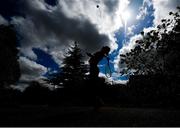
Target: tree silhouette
155,63
158,52
9,66
73,72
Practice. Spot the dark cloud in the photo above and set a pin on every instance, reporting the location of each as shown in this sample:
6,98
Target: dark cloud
56,24
176,3
111,5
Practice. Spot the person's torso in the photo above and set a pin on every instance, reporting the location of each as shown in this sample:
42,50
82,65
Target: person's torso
96,58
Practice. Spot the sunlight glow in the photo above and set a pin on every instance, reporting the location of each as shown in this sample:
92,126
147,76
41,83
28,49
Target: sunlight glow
126,16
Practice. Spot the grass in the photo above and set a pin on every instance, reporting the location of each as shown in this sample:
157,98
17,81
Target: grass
86,116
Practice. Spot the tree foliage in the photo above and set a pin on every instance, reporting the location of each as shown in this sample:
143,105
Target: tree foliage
158,52
73,70
9,66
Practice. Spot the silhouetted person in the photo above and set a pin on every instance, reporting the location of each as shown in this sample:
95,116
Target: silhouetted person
95,59
94,72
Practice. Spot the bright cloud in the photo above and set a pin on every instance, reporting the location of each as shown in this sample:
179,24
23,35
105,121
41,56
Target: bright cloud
162,9
114,79
143,10
30,70
130,30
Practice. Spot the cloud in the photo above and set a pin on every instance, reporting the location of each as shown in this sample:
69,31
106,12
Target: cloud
69,20
115,79
3,21
65,28
125,49
162,9
30,69
142,14
130,30
111,5
131,44
143,10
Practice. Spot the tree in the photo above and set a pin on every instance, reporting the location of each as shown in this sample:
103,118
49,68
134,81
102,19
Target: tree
158,52
73,72
9,66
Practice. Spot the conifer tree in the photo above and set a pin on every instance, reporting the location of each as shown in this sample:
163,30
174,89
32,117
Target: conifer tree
73,70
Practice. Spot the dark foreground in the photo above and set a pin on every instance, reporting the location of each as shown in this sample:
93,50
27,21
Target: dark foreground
86,116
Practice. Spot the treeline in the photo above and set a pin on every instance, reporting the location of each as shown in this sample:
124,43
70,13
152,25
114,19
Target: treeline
140,92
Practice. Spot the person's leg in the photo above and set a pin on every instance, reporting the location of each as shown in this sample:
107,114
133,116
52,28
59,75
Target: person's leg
95,81
94,71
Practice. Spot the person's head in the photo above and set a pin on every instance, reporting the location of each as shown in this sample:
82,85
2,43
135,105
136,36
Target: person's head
105,50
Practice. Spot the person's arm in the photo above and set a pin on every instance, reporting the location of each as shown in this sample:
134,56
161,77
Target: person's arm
107,57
